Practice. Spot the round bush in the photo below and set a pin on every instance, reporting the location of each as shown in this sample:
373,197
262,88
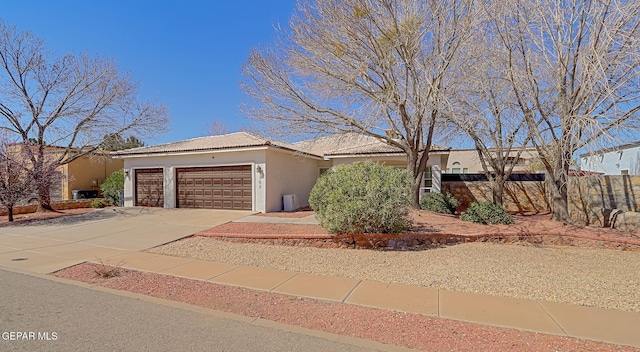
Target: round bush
363,197
439,203
486,213
111,185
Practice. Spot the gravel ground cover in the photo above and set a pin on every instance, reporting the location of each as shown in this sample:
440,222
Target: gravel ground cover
401,329
590,277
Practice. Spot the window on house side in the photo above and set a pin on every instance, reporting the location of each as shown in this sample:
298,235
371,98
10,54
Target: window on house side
427,178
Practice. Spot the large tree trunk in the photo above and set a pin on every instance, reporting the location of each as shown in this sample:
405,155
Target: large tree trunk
412,169
44,198
44,172
497,190
559,197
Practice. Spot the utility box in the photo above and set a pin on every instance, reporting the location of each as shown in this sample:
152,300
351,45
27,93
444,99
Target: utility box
290,202
121,197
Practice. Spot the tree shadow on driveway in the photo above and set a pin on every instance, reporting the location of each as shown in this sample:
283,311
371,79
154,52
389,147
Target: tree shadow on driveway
96,215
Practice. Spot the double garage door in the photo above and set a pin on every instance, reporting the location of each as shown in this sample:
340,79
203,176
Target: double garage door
219,187
216,187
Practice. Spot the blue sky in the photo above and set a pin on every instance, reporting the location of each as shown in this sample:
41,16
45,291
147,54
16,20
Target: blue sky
185,54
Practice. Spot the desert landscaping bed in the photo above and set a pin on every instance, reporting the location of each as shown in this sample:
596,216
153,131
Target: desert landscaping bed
390,327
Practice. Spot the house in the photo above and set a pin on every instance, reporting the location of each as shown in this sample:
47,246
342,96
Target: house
85,173
621,160
467,161
247,172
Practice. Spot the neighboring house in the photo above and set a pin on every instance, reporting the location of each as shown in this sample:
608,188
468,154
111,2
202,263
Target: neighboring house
86,173
467,161
247,172
620,160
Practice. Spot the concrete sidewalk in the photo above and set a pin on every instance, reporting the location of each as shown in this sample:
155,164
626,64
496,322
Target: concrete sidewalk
589,323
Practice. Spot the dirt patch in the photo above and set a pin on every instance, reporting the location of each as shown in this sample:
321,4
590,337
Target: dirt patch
31,218
262,228
287,215
389,327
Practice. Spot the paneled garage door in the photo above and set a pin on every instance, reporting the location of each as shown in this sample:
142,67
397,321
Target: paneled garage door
219,187
150,187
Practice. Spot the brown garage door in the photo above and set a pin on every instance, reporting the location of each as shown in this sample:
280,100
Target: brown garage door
149,187
219,187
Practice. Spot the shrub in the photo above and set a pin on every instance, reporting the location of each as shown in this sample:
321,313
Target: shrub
99,203
111,185
363,197
486,213
439,203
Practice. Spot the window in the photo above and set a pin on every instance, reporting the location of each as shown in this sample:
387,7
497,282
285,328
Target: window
465,170
624,172
323,170
456,168
427,178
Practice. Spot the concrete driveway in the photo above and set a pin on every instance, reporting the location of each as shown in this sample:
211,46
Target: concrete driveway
52,245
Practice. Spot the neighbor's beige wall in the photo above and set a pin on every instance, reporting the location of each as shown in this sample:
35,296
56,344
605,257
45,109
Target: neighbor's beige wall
81,173
468,158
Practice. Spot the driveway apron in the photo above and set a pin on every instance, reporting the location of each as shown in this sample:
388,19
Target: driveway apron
104,233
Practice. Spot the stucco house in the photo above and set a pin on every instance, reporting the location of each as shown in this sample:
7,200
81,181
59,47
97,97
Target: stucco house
621,160
85,173
467,161
247,172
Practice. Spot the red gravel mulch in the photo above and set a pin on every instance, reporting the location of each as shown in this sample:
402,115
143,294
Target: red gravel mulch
22,219
389,327
445,229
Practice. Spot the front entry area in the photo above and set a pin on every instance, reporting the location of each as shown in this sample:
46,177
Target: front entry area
215,187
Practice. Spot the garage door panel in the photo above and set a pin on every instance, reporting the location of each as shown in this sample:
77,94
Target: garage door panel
219,187
149,187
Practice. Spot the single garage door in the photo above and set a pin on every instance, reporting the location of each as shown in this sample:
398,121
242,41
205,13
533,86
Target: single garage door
149,187
216,187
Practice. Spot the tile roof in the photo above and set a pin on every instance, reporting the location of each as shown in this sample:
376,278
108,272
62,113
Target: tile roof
351,144
225,141
345,144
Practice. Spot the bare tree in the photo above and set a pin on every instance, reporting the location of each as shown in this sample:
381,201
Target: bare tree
73,101
16,178
574,70
375,67
483,108
216,128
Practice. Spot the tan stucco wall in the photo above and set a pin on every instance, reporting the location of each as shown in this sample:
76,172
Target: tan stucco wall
88,173
468,159
289,173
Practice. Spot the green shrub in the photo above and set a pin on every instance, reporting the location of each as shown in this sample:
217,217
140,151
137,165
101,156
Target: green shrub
99,203
363,197
486,213
439,203
111,185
